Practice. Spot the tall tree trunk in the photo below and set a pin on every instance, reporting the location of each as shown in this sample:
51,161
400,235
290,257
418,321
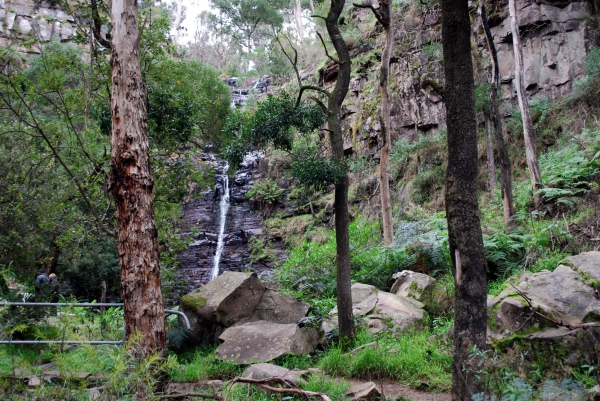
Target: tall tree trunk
131,184
462,211
177,22
383,13
503,158
342,219
535,175
490,157
298,18
386,136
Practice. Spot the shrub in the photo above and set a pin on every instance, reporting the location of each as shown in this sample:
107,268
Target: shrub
264,195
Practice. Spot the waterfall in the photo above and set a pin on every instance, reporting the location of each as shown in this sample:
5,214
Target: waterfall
223,209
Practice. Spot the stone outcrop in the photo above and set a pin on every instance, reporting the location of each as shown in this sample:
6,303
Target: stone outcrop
383,311
263,341
21,20
236,298
556,38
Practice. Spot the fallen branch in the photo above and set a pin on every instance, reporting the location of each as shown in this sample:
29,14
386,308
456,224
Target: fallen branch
184,395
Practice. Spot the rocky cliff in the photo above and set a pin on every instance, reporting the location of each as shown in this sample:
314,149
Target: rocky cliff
22,20
556,38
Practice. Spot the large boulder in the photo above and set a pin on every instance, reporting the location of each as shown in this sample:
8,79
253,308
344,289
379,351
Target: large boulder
382,311
412,284
563,297
264,341
230,298
279,308
236,298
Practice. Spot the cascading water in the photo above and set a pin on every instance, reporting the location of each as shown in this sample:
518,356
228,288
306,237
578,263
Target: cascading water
224,208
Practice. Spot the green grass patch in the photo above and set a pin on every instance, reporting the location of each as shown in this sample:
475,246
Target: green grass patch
201,364
415,358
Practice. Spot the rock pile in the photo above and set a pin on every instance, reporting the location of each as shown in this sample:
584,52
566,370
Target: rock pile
256,323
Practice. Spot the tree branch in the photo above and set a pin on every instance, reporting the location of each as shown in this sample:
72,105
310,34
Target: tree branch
311,87
325,47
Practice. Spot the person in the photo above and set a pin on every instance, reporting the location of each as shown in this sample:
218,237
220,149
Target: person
42,279
53,287
42,288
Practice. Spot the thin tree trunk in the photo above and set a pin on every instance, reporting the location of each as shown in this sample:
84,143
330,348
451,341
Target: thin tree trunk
490,158
131,184
386,135
342,219
177,22
383,13
298,17
531,153
503,158
462,211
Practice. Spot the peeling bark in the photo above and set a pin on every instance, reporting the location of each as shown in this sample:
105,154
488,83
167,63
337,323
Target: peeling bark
131,186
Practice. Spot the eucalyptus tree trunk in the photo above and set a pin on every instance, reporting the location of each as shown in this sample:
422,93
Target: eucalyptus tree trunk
298,18
462,210
131,185
386,136
490,157
535,175
503,158
342,219
383,13
177,21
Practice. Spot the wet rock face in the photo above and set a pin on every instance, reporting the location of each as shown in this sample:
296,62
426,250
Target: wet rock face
201,217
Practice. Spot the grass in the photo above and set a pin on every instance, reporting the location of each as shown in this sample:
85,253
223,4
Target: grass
416,358
201,364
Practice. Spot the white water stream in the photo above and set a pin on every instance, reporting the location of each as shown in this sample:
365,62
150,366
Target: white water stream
224,208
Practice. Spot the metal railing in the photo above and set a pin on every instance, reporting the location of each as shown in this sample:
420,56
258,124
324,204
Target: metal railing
85,305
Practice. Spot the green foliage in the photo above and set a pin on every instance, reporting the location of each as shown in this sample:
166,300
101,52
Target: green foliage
592,63
186,101
518,379
309,271
259,250
241,18
273,123
88,269
264,195
567,173
423,162
202,364
412,357
482,98
317,172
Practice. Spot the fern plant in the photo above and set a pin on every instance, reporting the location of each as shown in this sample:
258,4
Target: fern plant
567,174
264,195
